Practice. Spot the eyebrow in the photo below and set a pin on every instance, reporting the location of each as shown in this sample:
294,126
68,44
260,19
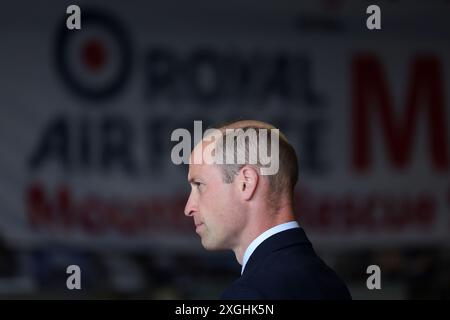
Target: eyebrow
193,179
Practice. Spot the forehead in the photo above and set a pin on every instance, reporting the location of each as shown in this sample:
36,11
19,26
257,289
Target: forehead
205,172
199,167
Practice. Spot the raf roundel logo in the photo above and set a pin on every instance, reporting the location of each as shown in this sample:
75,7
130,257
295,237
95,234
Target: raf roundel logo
94,62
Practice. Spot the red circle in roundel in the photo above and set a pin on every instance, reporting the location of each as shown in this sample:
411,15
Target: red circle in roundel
94,55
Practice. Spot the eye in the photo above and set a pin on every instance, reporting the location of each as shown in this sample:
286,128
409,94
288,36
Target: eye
198,185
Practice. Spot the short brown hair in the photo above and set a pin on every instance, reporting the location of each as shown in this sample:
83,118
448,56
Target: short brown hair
287,176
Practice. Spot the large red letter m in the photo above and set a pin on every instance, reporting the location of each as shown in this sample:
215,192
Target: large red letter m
425,93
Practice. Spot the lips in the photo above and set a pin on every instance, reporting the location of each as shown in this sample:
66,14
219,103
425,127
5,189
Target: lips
198,225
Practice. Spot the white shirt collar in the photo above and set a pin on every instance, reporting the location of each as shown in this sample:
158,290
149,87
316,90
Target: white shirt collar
263,236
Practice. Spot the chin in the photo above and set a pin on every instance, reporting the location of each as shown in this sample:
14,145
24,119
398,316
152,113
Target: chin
208,245
212,246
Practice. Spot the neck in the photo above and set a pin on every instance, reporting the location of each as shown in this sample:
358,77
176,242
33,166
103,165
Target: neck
259,225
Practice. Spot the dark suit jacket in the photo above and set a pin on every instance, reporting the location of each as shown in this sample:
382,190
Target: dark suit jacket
285,266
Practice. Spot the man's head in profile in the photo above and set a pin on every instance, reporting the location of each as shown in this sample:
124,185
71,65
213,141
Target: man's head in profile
243,206
231,204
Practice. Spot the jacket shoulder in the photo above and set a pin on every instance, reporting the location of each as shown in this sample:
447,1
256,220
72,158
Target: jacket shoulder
292,273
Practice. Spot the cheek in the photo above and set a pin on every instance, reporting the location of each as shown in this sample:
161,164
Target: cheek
219,205
230,208
216,205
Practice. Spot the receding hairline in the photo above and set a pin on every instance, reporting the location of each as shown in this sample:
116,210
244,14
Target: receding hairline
256,124
283,180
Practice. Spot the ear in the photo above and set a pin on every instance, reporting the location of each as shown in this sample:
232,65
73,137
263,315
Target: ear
247,182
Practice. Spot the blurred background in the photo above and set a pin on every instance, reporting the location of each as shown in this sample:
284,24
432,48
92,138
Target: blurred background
86,118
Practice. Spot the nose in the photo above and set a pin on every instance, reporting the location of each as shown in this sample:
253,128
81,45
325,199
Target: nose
191,206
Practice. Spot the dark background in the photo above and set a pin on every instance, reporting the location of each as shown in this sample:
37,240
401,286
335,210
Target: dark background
86,118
